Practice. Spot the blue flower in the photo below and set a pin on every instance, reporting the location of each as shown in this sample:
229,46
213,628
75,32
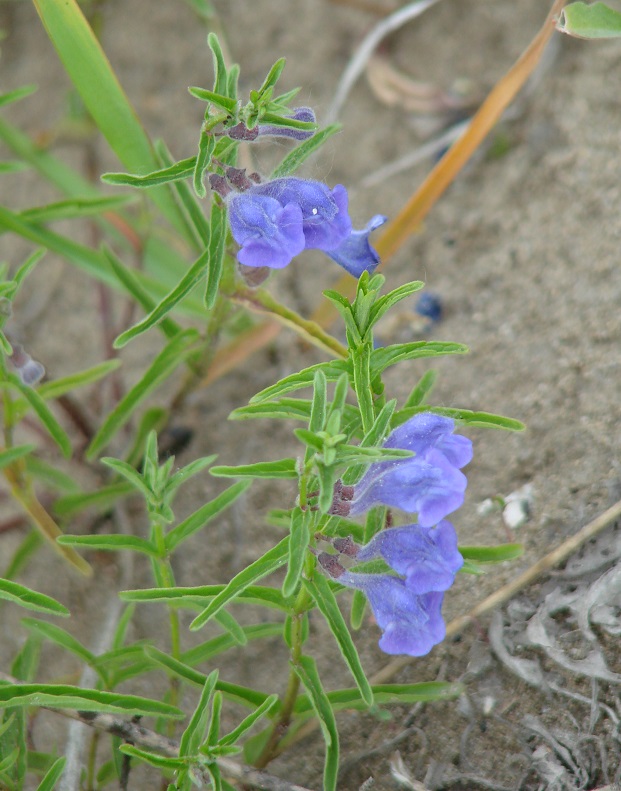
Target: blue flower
299,114
429,484
412,624
269,233
325,221
427,557
355,253
273,222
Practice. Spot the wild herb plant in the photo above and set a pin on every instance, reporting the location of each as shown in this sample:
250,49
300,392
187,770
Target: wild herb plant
370,488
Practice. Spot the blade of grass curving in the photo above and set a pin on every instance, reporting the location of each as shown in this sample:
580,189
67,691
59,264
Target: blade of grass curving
320,590
31,600
268,563
91,73
173,355
306,670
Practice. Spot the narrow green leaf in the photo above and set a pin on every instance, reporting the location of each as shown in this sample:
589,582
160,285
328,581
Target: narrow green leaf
230,625
305,378
299,154
245,725
321,592
26,268
13,454
268,563
466,416
58,387
53,775
198,226
204,515
497,554
31,600
17,94
384,357
102,498
111,543
195,597
61,637
386,694
173,354
589,20
216,250
219,66
306,670
153,759
129,281
283,468
13,167
388,301
64,696
217,645
73,208
41,409
130,474
182,169
243,695
298,545
419,393
193,736
206,146
7,761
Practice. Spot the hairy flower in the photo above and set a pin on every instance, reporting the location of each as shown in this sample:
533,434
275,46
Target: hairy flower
427,557
412,624
299,114
355,253
273,222
269,234
428,484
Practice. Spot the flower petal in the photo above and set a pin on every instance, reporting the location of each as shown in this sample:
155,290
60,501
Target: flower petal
269,234
355,253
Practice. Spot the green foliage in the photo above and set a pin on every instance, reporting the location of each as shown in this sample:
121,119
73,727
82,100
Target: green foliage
590,20
169,258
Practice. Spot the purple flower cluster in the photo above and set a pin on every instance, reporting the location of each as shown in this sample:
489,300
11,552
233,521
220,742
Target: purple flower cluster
425,555
429,484
273,222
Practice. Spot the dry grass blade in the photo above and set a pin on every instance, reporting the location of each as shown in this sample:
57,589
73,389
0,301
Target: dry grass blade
443,174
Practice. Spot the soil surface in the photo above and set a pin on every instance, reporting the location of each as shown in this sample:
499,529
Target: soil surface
523,251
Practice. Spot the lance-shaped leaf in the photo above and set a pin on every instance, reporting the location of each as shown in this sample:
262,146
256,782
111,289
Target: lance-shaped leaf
31,600
324,598
265,565
306,670
64,696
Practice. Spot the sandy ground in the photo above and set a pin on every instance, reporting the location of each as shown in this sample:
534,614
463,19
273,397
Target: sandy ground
523,250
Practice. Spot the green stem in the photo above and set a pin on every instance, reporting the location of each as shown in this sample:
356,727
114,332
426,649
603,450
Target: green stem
260,300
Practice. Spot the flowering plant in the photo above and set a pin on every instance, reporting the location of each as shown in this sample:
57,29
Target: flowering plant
359,452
